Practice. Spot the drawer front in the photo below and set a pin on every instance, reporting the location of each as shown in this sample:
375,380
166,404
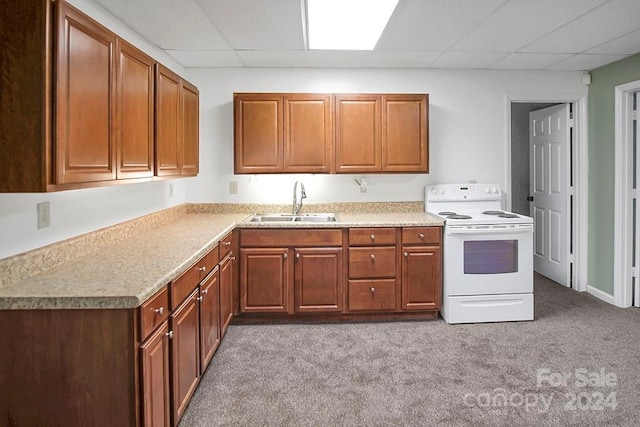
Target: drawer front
154,312
289,237
372,236
187,282
225,245
421,235
372,295
372,262
209,262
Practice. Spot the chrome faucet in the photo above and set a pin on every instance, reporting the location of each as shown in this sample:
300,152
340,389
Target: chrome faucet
297,205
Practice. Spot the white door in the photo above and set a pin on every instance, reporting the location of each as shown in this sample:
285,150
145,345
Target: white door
549,133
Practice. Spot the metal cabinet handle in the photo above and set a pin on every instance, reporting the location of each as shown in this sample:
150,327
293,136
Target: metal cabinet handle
421,236
159,311
202,268
205,291
169,334
373,257
297,255
373,237
406,254
199,298
372,290
232,258
226,243
284,255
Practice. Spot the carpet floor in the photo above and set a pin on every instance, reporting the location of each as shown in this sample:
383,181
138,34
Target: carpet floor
577,363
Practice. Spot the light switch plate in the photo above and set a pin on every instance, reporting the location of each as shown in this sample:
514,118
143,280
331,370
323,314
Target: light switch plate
233,187
44,215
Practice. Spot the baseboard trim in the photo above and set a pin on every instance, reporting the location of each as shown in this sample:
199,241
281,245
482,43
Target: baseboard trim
601,295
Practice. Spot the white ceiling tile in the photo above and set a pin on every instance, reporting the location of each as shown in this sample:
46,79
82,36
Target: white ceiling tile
628,44
433,25
520,22
258,25
169,24
609,21
403,59
467,60
206,58
585,62
261,58
528,61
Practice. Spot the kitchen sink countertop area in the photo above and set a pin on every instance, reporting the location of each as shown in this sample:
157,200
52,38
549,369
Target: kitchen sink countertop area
125,272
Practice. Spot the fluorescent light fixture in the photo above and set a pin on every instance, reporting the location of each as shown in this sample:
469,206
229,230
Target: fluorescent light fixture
347,24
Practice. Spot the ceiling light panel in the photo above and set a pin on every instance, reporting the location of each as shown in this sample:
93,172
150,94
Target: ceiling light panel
347,24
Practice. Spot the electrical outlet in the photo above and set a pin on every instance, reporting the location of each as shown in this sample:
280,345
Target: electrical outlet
233,187
170,190
363,185
44,215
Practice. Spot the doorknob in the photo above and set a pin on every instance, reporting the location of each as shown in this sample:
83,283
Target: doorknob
530,198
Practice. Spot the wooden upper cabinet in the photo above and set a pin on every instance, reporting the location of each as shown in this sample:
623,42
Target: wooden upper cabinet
85,94
308,137
405,131
258,133
168,116
283,133
358,139
190,129
134,112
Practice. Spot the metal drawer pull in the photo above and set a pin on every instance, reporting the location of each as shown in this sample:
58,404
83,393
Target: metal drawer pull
373,237
199,298
169,334
226,243
372,290
159,311
373,257
205,291
232,257
421,236
297,255
284,255
202,268
406,254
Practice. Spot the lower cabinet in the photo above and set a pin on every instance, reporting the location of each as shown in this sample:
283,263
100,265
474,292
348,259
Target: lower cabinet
209,318
421,283
226,293
318,280
154,361
264,280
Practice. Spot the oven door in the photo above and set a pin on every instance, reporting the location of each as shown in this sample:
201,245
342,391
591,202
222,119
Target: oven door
488,259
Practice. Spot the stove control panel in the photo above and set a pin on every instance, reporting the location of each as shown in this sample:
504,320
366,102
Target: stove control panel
463,192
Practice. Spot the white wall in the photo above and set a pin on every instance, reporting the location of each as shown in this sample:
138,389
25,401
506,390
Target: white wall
468,118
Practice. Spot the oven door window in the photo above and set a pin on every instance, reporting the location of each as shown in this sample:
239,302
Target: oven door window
490,256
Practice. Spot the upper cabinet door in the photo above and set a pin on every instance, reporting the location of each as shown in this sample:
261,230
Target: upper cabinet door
134,112
168,116
358,141
258,133
308,137
85,98
405,133
190,137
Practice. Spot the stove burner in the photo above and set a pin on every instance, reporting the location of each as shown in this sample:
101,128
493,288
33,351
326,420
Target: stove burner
508,215
446,213
456,216
493,212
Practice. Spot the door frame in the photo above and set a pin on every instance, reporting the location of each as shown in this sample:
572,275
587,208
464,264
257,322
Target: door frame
622,263
581,180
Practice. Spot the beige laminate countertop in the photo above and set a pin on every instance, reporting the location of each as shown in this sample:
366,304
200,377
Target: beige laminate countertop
126,273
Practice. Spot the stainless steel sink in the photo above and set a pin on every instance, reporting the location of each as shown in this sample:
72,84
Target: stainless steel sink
278,217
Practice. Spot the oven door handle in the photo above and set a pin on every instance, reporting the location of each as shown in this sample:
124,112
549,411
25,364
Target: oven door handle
486,231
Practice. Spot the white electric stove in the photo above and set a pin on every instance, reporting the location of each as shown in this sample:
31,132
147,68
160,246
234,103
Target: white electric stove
487,254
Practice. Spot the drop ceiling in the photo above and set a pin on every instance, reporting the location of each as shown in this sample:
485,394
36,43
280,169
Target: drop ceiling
572,35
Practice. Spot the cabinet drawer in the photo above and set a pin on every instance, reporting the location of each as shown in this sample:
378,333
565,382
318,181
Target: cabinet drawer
372,262
225,245
421,235
372,295
289,237
372,236
187,282
154,312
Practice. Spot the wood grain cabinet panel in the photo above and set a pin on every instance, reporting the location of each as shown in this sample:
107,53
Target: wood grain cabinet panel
209,318
168,115
318,280
405,131
190,129
264,280
85,94
226,292
135,112
372,295
421,278
154,361
357,134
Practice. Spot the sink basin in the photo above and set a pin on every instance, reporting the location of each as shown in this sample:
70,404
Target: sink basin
277,217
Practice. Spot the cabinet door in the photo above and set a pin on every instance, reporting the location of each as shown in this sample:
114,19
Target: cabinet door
405,133
168,118
358,142
308,136
258,133
85,99
264,280
209,318
318,279
185,352
189,123
226,293
134,112
421,278
154,360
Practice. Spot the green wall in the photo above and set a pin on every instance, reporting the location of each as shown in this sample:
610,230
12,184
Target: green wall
601,166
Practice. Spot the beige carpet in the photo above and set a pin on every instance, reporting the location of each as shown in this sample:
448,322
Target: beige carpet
577,363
